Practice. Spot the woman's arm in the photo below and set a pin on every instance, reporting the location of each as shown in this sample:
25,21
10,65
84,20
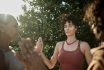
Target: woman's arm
87,53
51,63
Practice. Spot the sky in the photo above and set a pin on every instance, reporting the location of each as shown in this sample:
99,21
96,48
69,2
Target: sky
12,7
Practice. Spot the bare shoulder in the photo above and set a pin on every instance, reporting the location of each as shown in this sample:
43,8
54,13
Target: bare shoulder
59,44
84,46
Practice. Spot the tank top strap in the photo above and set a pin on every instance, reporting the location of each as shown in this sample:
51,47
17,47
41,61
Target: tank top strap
62,45
78,45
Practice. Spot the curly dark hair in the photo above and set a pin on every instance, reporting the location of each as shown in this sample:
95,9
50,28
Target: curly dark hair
94,14
67,18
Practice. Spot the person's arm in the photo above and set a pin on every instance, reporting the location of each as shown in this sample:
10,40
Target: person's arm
87,52
97,62
51,63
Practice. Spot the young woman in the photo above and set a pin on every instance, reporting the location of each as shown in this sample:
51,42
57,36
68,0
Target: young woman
8,32
69,53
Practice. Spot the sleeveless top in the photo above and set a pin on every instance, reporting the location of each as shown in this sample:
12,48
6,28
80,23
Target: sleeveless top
71,60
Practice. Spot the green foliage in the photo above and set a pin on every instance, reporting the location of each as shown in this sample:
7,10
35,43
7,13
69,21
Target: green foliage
41,18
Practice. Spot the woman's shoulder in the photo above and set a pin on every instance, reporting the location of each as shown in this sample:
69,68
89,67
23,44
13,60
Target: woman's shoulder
84,45
59,44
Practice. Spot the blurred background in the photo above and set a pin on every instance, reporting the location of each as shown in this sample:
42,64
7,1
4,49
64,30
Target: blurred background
42,18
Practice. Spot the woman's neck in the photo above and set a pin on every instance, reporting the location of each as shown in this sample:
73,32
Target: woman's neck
71,39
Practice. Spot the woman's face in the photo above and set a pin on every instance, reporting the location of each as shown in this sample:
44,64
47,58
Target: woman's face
69,29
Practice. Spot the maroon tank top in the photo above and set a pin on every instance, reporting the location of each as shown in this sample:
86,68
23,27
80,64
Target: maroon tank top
71,60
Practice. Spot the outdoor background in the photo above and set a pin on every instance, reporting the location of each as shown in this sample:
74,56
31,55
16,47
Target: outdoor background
42,18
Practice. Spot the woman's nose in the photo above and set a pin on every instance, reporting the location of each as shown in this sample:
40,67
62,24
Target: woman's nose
67,28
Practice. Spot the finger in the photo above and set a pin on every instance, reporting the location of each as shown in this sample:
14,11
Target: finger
39,42
22,46
90,66
25,45
28,45
20,56
29,41
40,39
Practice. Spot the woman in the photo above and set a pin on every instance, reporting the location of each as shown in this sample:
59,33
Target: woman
95,16
71,52
8,32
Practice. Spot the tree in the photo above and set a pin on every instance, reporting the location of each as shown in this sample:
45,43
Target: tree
41,18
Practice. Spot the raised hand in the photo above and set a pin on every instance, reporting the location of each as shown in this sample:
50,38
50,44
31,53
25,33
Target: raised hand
26,50
39,45
27,55
97,62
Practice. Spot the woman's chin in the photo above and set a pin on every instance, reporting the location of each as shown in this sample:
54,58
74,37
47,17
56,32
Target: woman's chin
69,35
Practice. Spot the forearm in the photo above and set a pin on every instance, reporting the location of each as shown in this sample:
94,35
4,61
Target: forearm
89,59
46,61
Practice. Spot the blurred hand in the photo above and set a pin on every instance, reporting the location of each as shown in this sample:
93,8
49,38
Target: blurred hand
29,57
39,45
26,48
97,62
